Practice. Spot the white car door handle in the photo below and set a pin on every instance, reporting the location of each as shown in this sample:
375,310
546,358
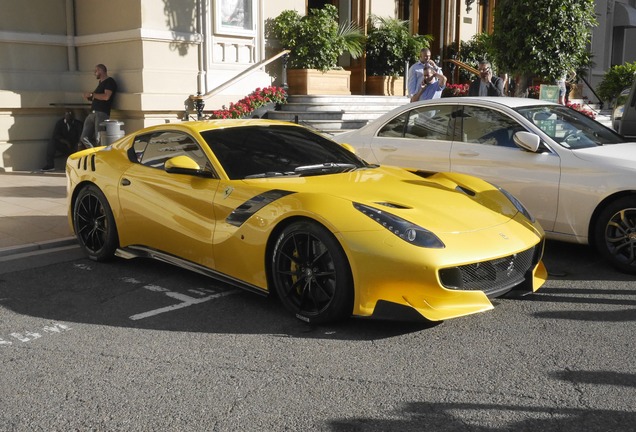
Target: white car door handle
388,148
468,153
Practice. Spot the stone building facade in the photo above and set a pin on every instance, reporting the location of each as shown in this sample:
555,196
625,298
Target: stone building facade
163,51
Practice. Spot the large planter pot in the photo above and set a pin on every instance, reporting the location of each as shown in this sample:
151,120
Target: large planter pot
385,86
315,82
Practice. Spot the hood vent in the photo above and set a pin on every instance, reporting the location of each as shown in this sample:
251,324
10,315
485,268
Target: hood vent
468,192
392,205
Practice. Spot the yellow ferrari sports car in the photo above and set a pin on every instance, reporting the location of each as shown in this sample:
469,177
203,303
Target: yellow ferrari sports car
275,208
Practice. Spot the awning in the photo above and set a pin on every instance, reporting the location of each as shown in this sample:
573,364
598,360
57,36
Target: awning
624,15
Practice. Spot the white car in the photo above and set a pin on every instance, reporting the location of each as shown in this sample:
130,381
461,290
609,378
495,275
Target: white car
577,177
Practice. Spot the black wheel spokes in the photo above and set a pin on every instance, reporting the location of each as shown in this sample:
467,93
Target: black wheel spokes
621,235
91,223
308,272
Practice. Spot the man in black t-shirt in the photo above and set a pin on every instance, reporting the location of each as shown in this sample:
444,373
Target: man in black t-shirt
101,102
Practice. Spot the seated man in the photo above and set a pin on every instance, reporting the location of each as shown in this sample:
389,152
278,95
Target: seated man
64,140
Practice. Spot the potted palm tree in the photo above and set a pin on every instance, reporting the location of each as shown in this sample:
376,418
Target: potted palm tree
389,45
316,41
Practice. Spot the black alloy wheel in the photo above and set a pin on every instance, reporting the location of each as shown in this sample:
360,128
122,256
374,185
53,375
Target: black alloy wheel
94,224
615,234
311,274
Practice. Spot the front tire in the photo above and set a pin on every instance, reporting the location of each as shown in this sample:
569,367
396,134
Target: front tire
311,274
615,234
95,224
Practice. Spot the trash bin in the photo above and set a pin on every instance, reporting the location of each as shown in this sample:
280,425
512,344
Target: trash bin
110,131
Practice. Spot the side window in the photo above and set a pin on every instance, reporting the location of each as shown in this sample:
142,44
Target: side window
431,122
136,152
394,128
488,127
162,146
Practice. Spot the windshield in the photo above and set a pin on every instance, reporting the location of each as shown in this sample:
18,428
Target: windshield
570,128
270,151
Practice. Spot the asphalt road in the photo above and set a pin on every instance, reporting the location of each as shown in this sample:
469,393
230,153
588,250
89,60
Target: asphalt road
139,345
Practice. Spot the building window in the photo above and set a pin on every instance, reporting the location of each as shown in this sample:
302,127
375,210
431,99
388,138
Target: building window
235,17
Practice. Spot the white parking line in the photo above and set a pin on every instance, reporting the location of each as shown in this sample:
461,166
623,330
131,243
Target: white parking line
185,302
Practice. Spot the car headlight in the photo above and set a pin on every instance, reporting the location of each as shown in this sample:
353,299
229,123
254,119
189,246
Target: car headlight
520,207
407,231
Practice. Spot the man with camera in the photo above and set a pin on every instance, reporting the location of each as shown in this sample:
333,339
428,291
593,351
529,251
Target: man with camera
421,77
487,84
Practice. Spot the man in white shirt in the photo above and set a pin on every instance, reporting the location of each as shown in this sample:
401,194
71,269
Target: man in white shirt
416,72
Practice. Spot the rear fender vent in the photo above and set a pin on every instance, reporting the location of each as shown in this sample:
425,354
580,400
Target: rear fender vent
84,162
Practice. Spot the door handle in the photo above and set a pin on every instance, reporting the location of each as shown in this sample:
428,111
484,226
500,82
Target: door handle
388,148
125,182
468,153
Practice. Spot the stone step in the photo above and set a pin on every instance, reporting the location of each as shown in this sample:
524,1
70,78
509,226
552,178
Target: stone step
335,113
346,99
323,124
325,115
319,107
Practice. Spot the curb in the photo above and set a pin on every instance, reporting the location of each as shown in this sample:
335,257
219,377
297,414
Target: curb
32,247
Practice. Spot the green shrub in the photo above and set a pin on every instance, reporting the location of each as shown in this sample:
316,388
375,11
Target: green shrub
478,48
316,40
390,44
616,79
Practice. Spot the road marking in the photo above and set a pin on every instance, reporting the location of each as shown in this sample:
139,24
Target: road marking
28,336
185,301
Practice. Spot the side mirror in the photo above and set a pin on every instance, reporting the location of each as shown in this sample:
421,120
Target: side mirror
185,165
527,141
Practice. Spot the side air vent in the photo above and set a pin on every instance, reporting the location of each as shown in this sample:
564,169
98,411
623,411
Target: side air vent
83,163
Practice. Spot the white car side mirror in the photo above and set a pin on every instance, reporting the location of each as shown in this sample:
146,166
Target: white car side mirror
527,141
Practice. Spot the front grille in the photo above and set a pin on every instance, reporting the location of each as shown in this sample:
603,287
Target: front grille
494,277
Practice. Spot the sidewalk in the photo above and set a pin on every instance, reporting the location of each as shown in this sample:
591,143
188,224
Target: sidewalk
33,212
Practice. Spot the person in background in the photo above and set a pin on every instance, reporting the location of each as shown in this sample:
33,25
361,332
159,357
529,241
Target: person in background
101,102
64,140
432,85
562,89
487,84
416,71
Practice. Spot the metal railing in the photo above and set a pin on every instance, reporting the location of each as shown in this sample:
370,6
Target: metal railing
198,99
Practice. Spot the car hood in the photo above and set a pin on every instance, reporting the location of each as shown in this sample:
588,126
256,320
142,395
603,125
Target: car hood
611,155
442,202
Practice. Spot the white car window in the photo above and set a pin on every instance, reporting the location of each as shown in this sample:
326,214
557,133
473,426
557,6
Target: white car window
570,128
433,123
428,122
420,138
488,127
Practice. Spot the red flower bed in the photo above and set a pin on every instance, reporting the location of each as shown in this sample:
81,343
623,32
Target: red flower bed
251,102
454,90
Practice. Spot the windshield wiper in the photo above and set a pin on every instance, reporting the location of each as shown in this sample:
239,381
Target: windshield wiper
269,174
327,167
